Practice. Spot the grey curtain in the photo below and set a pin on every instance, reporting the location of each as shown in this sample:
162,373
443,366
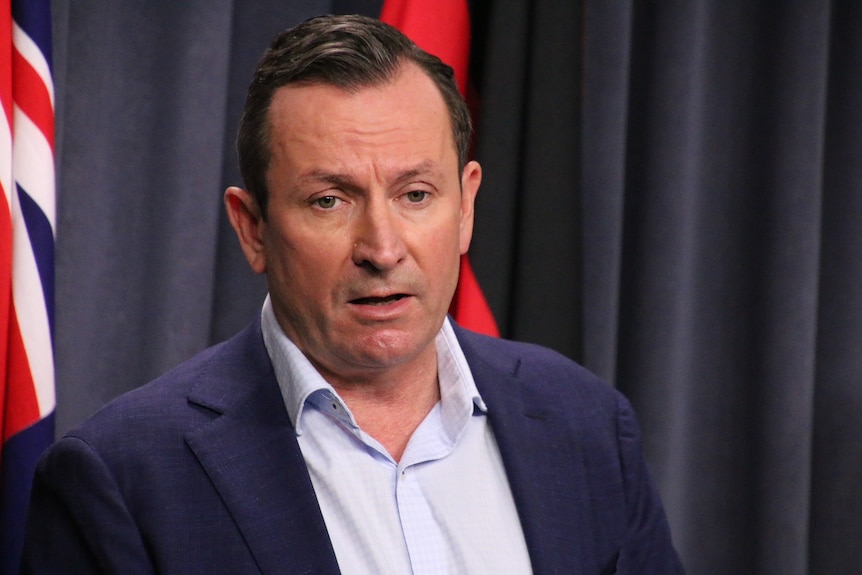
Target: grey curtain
672,196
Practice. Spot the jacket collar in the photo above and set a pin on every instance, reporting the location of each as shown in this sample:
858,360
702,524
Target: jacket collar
251,455
535,444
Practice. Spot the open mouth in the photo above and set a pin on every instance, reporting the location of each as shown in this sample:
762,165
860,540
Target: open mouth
378,300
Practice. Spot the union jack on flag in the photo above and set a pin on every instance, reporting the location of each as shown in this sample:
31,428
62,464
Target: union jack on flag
27,221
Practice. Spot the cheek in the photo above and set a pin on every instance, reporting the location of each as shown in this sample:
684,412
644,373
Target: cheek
445,255
307,263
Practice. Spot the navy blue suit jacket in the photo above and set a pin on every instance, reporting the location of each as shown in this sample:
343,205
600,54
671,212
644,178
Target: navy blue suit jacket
200,472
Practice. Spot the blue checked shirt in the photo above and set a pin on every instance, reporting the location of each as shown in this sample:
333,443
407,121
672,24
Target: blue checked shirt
445,508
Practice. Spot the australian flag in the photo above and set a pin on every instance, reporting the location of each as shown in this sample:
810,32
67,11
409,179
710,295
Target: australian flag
27,224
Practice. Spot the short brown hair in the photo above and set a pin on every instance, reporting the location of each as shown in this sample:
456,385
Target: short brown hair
347,51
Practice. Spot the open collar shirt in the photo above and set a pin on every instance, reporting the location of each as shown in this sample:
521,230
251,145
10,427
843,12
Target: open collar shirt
444,508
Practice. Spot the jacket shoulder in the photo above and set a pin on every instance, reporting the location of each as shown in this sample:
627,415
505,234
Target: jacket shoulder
533,365
213,379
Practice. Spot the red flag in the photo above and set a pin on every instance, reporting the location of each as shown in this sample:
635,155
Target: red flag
442,28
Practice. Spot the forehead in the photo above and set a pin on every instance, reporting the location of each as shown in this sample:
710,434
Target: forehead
408,110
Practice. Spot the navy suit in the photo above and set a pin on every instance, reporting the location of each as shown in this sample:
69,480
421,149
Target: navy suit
200,472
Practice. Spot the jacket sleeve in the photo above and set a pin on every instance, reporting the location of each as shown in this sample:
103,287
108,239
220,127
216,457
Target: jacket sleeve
78,521
648,549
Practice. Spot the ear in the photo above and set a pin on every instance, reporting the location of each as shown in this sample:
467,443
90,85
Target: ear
471,178
245,217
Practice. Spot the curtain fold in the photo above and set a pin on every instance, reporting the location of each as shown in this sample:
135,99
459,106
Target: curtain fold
719,270
141,107
836,504
527,250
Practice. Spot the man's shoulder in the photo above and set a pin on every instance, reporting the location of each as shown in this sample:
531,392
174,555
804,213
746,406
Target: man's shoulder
212,379
542,369
495,347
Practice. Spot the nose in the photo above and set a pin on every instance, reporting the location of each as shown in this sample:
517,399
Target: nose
378,242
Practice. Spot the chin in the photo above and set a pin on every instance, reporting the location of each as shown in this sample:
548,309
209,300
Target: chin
387,349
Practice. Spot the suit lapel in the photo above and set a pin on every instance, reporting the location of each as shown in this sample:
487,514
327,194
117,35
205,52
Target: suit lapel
535,445
251,455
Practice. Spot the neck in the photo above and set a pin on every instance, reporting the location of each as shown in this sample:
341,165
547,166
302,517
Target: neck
391,405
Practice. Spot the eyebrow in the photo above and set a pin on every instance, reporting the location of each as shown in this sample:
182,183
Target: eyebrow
346,180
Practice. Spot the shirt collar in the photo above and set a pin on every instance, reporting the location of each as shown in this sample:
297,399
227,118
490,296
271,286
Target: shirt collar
301,384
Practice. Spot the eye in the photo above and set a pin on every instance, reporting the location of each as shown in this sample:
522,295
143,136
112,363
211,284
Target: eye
327,202
416,196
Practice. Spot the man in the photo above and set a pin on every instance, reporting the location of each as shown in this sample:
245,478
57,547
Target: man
354,428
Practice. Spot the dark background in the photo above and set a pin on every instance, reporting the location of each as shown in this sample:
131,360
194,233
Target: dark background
672,196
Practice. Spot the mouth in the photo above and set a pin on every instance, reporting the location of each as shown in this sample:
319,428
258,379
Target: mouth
381,300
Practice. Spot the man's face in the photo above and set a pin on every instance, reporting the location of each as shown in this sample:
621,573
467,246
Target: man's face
366,221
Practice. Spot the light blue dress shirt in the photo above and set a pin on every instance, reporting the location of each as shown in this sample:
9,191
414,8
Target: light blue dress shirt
445,508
